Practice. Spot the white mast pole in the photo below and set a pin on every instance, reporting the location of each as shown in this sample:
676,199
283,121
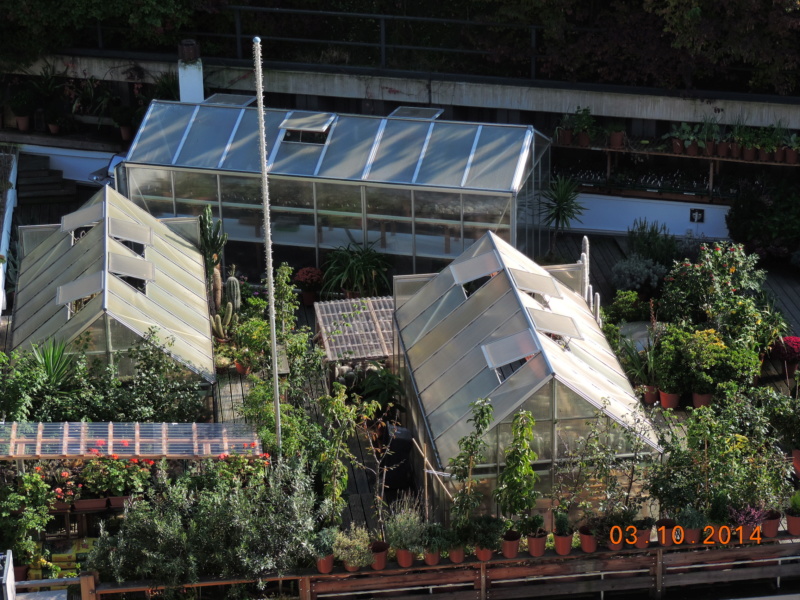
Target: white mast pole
262,149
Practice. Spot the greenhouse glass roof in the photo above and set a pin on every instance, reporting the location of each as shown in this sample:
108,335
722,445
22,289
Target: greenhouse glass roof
520,329
390,150
113,270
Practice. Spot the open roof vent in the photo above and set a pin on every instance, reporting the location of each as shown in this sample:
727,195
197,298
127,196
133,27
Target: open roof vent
307,127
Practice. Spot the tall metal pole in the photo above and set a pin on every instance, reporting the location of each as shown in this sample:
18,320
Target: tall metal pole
262,149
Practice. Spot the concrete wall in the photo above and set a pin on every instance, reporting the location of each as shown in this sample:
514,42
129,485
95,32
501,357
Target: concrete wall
617,214
76,164
370,91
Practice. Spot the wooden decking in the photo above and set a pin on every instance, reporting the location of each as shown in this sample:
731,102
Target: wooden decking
784,283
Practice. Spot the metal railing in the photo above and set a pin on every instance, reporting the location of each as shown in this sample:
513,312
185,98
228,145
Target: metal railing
351,41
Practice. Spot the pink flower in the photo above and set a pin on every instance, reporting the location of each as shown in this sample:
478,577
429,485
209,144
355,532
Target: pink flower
125,443
59,491
65,473
100,443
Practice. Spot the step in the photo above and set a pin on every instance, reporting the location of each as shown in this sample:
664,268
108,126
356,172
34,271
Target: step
33,162
37,177
67,188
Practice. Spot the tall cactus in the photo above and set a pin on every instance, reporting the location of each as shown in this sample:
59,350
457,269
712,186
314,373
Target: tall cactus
221,322
233,292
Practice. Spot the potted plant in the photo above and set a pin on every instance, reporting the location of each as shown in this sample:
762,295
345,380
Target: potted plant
352,547
748,518
486,532
723,142
25,501
709,135
22,103
459,539
123,116
693,522
787,350
405,530
747,139
644,527
684,136
793,514
738,137
515,492
616,135
565,129
436,540
357,270
110,476
771,524
670,365
665,527
532,527
589,533
792,145
380,553
322,546
583,126
309,280
563,531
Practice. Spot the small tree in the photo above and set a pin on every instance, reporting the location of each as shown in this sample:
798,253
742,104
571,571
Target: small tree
560,207
471,451
515,492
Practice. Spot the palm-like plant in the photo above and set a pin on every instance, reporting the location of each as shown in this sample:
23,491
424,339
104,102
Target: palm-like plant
356,268
560,207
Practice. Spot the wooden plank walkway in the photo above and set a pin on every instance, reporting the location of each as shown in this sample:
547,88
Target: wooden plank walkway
604,252
784,283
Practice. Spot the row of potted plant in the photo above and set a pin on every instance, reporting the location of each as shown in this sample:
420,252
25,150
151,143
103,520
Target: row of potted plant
710,138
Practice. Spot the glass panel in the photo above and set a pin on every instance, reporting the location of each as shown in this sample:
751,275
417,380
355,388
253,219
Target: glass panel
151,189
457,406
243,224
243,153
540,403
208,137
194,208
388,201
242,190
442,206
297,159
339,198
398,151
390,235
431,316
349,145
438,240
570,405
447,153
292,193
193,185
122,338
162,133
496,158
543,440
92,340
570,433
293,228
427,296
335,231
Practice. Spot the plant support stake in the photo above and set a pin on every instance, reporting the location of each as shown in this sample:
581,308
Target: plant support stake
262,150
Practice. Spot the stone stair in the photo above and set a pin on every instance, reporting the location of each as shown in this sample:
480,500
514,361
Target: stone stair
38,183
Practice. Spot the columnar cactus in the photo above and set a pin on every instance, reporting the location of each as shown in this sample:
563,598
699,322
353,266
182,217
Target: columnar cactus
233,292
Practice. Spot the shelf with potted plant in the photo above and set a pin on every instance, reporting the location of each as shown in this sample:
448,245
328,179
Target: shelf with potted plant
405,530
110,481
353,547
309,280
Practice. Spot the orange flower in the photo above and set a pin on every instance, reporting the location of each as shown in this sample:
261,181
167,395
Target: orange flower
115,456
65,473
38,468
100,443
135,460
125,443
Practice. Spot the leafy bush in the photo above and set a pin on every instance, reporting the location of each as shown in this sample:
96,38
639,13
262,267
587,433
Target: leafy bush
405,529
353,546
670,359
626,307
562,525
486,532
652,241
637,273
691,518
323,542
437,538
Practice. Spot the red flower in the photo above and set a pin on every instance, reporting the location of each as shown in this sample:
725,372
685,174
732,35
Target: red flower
125,443
150,462
115,456
244,445
100,443
135,460
38,468
59,491
94,450
253,444
65,473
222,456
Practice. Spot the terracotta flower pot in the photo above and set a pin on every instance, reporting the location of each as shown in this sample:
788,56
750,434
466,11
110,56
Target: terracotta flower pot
642,538
325,564
563,544
770,526
692,149
588,541
613,547
380,550
791,156
723,149
583,139
536,545
511,544
351,568
21,573
308,298
764,155
125,133
616,139
780,154
736,150
692,536
242,369
90,504
23,123
669,400
564,137
405,558
484,554
677,146
748,154
54,128
793,525
665,538
709,148
650,394
456,555
432,558
699,400
796,461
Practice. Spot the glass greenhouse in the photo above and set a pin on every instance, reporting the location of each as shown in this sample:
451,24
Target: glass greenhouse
109,273
495,324
420,189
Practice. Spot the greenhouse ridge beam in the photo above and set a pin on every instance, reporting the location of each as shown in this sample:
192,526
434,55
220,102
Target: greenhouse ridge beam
20,441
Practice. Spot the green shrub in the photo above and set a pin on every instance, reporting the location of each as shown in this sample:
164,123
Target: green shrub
637,273
652,240
626,307
353,546
437,538
405,529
